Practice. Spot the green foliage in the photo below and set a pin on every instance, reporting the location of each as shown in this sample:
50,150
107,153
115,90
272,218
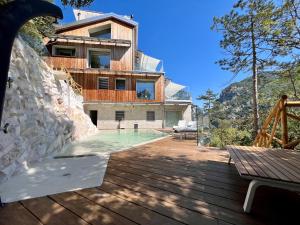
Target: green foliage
247,29
227,135
288,36
209,99
247,33
77,3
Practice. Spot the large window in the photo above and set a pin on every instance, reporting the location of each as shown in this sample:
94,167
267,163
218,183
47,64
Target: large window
150,116
99,59
102,34
120,84
120,115
103,83
145,90
64,51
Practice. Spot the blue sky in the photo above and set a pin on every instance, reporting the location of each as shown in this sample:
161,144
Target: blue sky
178,32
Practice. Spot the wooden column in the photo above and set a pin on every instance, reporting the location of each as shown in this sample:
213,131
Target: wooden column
284,121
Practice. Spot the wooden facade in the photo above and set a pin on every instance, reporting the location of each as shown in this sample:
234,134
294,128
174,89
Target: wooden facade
122,63
122,58
91,93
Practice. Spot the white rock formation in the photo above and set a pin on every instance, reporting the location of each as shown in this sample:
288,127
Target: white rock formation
43,114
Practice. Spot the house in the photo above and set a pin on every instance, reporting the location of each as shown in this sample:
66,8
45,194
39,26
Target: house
121,86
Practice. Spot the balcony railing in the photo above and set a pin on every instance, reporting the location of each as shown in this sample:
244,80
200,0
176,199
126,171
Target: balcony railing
182,95
91,40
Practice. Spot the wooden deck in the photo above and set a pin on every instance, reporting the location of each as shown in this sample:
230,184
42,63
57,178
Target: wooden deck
166,182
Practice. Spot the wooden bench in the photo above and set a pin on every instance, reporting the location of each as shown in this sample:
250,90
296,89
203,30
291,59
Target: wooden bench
278,168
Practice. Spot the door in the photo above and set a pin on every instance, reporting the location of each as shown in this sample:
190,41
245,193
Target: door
94,116
172,118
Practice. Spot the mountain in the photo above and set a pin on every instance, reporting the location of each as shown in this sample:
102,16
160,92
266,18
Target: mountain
237,97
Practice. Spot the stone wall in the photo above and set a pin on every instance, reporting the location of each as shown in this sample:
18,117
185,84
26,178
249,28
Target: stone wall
43,114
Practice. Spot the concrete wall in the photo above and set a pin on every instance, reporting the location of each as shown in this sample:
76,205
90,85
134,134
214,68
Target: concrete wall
133,115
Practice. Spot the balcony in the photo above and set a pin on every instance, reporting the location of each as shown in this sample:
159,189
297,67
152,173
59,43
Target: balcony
89,40
176,93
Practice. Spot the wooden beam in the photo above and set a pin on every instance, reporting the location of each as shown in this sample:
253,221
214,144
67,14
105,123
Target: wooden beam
275,139
295,117
292,144
284,126
276,120
293,104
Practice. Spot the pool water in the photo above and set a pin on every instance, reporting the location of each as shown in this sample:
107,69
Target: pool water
110,141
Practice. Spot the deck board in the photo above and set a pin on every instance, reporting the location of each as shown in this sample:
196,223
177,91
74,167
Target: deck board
166,182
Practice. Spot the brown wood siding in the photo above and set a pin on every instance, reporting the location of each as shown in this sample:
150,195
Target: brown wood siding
122,58
89,84
119,58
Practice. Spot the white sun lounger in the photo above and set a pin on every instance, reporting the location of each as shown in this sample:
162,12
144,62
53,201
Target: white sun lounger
279,168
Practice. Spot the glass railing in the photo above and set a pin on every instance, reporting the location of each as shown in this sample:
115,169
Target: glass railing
182,95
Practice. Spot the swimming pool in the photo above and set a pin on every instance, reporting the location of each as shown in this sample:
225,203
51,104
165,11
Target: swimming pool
110,141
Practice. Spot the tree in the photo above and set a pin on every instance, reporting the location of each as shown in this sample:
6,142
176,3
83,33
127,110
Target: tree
247,31
209,98
77,3
288,35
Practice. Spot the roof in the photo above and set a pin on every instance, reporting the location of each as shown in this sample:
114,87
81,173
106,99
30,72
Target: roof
99,18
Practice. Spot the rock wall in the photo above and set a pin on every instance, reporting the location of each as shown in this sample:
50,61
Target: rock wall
43,114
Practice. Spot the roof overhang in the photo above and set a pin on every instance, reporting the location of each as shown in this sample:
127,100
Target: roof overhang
96,19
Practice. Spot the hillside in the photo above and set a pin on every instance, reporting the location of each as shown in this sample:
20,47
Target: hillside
237,98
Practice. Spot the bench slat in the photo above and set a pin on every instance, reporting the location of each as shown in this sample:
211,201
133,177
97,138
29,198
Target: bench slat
245,162
241,169
282,166
266,163
289,160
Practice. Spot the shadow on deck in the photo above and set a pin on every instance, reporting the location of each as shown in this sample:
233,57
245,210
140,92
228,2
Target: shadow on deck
166,182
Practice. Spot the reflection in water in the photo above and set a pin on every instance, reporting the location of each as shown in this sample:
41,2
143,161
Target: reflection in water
110,141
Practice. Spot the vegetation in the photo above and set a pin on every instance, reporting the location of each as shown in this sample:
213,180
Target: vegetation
209,98
247,33
262,38
231,111
35,30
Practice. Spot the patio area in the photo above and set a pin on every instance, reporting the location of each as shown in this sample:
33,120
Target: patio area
165,182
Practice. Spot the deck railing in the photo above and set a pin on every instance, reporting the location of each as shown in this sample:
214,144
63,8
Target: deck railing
278,116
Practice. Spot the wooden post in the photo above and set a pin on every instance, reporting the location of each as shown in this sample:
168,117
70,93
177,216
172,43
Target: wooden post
284,126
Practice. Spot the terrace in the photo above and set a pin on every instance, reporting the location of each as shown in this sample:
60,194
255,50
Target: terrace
161,185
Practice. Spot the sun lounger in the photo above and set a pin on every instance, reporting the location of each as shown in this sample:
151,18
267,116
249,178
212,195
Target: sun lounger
181,124
190,127
278,168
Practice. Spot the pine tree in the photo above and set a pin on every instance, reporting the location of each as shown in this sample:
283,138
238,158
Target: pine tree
247,31
209,97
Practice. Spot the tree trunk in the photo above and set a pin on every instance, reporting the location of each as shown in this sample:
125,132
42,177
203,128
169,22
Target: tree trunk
254,81
293,84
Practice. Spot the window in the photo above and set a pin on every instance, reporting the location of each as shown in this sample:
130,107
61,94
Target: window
65,51
102,34
145,90
120,84
120,115
103,83
99,59
150,116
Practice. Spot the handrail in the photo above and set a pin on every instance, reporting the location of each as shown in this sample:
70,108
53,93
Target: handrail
71,82
277,115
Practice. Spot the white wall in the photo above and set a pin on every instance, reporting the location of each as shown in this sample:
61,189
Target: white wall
133,115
